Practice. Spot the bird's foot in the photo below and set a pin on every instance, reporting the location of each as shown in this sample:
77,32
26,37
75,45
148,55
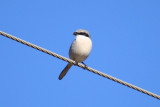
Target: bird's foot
76,63
84,65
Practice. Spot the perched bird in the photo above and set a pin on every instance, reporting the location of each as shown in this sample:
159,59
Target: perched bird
79,50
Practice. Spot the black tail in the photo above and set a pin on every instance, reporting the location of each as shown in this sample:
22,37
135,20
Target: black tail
65,70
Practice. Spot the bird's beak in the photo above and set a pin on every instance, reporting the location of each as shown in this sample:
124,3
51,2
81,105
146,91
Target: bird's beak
74,33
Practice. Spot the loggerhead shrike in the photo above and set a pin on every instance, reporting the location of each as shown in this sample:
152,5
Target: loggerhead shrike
79,50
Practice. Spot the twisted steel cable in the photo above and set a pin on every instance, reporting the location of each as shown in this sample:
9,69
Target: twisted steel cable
80,65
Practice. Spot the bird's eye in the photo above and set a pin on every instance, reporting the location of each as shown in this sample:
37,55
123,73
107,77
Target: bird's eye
83,33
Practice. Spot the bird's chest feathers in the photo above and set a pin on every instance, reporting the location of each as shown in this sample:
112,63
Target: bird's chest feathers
83,44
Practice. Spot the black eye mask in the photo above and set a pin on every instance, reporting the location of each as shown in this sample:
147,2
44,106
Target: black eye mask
81,33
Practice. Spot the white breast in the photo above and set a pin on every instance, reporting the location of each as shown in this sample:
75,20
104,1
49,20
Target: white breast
80,48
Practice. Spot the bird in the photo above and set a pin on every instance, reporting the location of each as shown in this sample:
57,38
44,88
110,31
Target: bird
79,49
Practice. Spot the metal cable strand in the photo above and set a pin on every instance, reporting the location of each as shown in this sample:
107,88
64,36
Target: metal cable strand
80,65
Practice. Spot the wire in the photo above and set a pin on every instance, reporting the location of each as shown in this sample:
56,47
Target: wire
80,65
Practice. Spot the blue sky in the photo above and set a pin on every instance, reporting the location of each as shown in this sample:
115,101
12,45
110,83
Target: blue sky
126,45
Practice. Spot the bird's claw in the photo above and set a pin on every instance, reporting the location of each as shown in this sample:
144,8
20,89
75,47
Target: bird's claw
84,65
